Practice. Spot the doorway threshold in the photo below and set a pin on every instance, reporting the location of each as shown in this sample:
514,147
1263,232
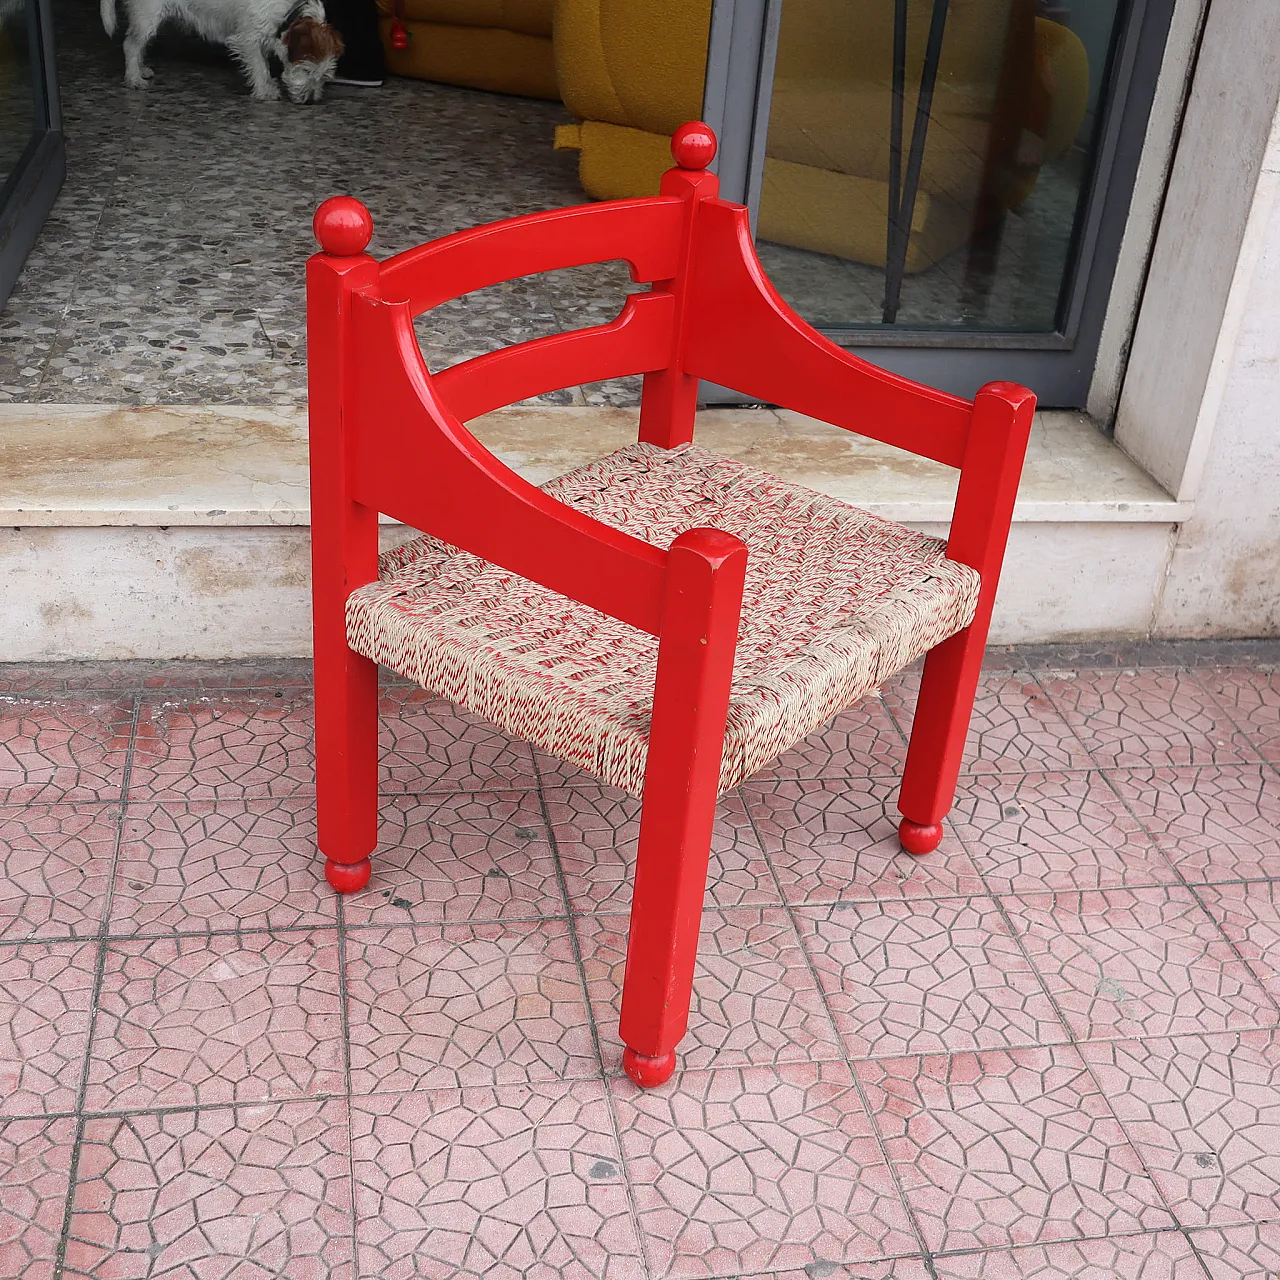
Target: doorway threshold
218,465
182,531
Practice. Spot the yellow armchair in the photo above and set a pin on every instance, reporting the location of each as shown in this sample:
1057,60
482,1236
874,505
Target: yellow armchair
634,69
500,45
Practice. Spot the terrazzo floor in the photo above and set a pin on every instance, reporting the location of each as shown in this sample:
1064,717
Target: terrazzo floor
171,269
1050,1050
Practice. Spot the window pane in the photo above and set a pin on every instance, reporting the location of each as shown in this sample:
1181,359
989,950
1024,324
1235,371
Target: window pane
926,159
17,99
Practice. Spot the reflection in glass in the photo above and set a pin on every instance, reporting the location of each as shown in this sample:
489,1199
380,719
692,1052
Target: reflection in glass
926,159
17,100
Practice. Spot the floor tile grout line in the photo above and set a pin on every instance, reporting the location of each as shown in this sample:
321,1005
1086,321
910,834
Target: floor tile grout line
1174,670
296,686
1193,888
1129,1138
976,853
1151,835
22,806
100,959
1109,775
789,1272
1038,679
895,775
968,772
348,1093
194,932
575,943
903,735
244,931
842,1048
68,1211
1227,767
163,799
1145,1234
574,940
185,804
1142,1234
505,787
1195,1251
1242,729
1272,998
191,1108
108,1113
384,926
1075,1043
904,732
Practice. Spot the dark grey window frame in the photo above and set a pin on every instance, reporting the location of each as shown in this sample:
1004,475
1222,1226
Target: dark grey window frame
1057,366
31,188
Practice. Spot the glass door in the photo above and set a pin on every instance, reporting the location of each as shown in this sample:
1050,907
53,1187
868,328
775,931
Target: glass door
940,184
32,156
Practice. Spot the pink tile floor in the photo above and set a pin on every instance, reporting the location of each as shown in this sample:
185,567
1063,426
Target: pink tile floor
1051,1049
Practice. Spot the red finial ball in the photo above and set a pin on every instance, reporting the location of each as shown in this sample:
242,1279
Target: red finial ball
399,35
693,145
919,837
348,877
648,1073
343,226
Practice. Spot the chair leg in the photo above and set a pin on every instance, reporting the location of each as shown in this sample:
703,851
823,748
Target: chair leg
346,689
943,711
666,915
993,457
682,779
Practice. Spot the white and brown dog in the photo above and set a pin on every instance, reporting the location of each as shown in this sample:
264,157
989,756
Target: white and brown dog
307,46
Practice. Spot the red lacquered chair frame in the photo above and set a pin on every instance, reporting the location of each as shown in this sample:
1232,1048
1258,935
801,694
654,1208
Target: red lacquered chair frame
386,436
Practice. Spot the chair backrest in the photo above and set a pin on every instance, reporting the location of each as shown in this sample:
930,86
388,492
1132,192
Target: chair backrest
388,436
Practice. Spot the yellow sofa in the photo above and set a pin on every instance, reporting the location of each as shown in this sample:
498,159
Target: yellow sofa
500,45
633,70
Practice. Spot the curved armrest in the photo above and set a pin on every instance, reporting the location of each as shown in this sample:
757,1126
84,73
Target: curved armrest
414,460
741,334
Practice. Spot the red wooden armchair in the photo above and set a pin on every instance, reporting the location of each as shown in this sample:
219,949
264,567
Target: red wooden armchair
664,618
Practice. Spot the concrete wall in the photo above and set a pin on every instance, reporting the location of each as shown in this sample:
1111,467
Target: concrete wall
1173,86
1200,405
217,592
1205,247
1224,576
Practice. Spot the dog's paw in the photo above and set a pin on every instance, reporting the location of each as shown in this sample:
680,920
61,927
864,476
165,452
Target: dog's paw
266,93
147,73
138,81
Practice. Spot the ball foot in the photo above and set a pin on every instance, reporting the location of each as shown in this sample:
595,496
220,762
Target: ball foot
648,1073
347,877
919,837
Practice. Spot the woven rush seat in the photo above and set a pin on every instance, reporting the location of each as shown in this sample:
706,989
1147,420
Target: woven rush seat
836,601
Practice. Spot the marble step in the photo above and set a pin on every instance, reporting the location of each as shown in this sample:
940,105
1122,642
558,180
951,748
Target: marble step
181,531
